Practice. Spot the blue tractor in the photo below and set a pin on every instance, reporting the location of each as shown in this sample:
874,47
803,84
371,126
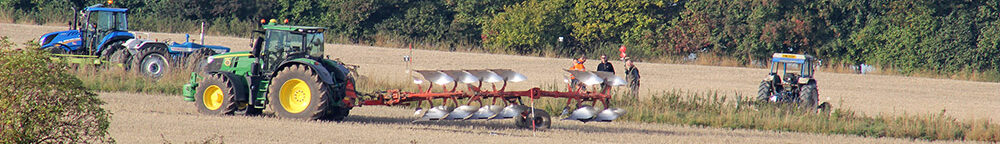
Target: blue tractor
101,33
102,36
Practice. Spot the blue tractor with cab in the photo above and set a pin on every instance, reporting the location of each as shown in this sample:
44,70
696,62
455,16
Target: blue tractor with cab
101,36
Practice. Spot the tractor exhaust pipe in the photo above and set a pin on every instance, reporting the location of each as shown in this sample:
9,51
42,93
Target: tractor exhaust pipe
202,37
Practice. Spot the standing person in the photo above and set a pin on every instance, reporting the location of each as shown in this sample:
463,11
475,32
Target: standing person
605,66
578,65
632,74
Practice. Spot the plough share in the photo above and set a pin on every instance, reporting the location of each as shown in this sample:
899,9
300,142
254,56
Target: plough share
578,97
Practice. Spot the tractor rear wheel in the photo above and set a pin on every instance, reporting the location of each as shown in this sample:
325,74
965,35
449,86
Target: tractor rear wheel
152,61
111,49
216,95
764,92
809,95
297,92
541,120
198,58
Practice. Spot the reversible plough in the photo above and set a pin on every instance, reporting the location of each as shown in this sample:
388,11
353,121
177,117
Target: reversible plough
476,92
288,73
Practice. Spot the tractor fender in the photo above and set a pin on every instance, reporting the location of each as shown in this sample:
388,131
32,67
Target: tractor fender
805,80
324,74
239,83
134,45
114,36
152,44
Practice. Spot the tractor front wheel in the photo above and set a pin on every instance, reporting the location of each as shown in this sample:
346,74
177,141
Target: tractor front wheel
764,92
152,61
216,96
297,92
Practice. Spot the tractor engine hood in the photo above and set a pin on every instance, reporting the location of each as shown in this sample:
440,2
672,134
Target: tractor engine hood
69,37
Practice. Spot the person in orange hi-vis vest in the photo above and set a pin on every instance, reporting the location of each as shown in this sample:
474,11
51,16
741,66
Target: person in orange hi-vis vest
578,65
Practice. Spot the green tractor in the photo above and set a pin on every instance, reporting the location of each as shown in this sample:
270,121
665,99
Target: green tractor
285,72
791,81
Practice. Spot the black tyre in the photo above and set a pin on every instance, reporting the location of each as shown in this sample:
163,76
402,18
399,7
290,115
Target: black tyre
198,58
119,55
341,112
297,92
764,92
541,120
216,95
111,49
808,95
55,49
152,61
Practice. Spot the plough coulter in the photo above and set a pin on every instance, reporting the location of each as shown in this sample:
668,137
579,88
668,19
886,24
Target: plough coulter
500,103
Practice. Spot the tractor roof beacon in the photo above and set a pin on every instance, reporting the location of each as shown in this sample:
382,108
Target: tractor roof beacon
791,81
285,72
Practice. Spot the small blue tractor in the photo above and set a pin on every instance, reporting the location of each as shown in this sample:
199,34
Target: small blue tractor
154,58
791,81
101,36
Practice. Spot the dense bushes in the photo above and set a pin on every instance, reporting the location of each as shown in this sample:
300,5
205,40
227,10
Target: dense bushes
924,36
40,102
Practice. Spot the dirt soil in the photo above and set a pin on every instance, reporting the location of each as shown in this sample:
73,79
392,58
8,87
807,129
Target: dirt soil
144,118
151,118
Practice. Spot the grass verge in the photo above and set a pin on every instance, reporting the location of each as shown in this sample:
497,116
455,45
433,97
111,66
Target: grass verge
712,109
116,79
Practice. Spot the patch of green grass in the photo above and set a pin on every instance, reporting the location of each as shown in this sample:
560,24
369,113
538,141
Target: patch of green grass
116,79
714,110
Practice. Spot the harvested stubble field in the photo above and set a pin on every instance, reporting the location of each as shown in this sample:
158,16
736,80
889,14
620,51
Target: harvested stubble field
147,118
142,117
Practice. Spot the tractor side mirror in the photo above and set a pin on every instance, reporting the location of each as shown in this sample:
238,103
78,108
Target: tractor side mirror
257,47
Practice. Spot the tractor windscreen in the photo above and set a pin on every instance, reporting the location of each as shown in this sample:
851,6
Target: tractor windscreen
788,67
121,21
104,20
314,41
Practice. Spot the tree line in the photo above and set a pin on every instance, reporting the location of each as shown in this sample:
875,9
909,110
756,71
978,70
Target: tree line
907,35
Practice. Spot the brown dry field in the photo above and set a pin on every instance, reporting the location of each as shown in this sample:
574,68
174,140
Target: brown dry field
152,117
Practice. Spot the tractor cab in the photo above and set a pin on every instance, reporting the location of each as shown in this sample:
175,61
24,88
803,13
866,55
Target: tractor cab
791,69
283,42
790,80
101,22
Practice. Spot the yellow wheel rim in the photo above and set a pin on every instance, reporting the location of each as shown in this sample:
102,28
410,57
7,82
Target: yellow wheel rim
212,97
295,95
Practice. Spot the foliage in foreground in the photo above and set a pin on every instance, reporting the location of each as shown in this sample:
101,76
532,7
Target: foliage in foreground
42,103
